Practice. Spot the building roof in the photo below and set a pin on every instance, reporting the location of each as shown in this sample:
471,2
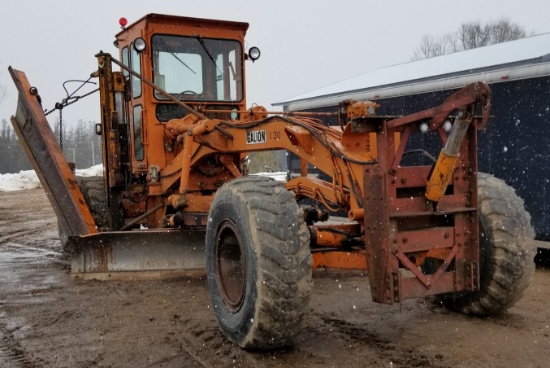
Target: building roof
508,55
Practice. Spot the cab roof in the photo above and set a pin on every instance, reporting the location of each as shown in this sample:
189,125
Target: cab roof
187,21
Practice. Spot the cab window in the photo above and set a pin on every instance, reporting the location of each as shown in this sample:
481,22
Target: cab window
136,67
139,153
196,68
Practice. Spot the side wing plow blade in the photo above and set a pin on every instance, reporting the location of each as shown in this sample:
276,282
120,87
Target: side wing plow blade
47,159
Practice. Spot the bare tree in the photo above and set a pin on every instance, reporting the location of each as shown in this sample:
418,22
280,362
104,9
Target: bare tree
432,47
473,35
469,35
504,30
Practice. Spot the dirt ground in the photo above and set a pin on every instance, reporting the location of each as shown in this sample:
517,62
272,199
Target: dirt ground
49,320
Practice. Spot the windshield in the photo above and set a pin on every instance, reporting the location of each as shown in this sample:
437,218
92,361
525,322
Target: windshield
193,68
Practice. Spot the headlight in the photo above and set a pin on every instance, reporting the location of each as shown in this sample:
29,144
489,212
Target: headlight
254,53
139,44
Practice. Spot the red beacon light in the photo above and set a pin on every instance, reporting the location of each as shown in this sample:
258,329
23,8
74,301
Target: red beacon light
123,22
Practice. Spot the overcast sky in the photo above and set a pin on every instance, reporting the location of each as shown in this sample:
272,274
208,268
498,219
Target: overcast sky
305,44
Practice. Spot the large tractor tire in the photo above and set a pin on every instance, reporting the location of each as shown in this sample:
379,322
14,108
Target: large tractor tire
507,251
258,262
93,190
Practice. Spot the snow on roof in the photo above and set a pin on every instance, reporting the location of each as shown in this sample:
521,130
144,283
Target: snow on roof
524,50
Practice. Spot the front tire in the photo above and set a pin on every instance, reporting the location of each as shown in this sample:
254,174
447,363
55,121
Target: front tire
258,263
93,191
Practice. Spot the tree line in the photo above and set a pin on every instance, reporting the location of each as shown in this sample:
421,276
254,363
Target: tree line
80,145
470,35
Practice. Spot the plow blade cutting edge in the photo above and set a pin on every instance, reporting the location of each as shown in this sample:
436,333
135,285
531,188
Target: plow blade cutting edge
142,254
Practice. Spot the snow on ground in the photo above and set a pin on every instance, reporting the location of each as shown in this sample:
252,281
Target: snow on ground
279,176
27,179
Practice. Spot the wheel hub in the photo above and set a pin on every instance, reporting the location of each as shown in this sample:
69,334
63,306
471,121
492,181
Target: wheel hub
230,265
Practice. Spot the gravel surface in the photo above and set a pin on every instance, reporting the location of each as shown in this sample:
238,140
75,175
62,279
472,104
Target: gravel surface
49,320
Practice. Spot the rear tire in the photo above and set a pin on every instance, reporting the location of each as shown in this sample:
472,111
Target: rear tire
507,251
258,262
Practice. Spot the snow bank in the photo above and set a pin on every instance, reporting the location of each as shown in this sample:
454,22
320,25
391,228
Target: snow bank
27,179
96,170
279,176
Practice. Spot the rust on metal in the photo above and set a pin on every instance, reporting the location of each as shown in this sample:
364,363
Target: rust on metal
153,251
48,161
406,232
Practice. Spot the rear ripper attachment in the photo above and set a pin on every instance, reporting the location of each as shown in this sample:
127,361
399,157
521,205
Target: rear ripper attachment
409,223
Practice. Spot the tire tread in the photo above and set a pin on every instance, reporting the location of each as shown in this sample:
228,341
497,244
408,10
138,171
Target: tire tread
510,264
281,242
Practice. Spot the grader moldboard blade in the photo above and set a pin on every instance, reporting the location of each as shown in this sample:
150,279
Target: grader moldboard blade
150,254
137,255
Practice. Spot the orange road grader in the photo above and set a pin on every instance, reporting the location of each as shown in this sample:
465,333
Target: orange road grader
175,197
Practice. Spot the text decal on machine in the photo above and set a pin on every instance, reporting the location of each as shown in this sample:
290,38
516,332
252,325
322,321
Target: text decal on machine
255,137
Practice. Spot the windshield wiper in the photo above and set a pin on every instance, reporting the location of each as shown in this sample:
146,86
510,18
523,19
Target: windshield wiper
205,48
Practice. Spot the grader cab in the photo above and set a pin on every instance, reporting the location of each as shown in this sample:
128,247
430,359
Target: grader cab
176,197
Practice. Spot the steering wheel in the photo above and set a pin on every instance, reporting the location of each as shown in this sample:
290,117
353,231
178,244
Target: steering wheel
188,92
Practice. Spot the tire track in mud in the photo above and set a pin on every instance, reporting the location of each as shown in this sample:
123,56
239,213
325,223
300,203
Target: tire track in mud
11,353
22,232
400,356
37,251
206,345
